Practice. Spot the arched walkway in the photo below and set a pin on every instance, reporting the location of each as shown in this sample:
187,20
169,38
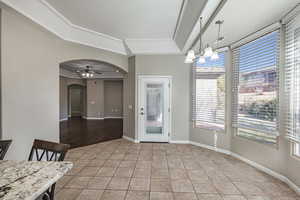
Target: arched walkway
91,108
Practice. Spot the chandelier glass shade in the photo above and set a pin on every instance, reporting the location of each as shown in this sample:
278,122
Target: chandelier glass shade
208,52
201,59
215,56
190,57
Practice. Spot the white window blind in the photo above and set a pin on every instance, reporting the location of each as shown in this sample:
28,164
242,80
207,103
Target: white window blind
208,96
255,91
292,79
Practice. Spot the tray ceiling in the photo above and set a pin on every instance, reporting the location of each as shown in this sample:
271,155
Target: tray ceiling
134,19
147,26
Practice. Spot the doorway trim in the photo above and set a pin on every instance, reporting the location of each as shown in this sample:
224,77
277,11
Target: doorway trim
138,77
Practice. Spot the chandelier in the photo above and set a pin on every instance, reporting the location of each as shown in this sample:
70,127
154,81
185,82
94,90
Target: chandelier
208,51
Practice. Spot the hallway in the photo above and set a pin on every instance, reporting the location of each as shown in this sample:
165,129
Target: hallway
80,132
121,170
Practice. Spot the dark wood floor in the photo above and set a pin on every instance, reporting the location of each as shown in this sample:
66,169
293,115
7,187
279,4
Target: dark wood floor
80,132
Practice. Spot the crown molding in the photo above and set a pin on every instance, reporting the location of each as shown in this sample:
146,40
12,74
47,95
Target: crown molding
45,15
42,13
67,21
152,46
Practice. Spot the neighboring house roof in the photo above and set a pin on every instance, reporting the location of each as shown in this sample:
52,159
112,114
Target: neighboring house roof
265,69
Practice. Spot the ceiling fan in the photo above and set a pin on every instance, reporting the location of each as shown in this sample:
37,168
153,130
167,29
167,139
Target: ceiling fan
88,72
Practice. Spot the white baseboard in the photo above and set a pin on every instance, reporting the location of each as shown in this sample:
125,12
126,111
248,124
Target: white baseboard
292,185
64,119
253,164
179,141
94,118
220,150
101,118
268,171
130,139
113,117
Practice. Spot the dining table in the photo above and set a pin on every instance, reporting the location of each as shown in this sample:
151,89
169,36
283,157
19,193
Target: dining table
28,180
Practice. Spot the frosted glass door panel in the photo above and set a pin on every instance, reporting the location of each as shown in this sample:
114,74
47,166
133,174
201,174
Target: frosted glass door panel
154,108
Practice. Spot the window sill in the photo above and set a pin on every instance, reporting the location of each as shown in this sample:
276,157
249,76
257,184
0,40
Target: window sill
294,151
212,130
259,140
295,157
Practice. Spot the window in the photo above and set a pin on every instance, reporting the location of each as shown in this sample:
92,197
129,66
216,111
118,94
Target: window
255,88
292,82
209,94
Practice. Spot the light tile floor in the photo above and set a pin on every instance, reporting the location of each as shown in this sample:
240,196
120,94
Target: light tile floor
120,170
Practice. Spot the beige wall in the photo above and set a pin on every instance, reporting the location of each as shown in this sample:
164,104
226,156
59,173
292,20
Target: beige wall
73,51
129,100
95,98
171,65
30,84
30,80
113,98
102,98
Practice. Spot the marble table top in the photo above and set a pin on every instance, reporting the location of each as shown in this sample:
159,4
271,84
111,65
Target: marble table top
25,180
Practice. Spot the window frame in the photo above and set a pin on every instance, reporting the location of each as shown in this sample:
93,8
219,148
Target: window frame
296,150
292,27
224,128
235,94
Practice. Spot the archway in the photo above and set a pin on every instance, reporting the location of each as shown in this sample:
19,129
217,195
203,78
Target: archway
94,102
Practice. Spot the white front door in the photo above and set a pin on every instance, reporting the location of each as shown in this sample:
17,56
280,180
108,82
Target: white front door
154,108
